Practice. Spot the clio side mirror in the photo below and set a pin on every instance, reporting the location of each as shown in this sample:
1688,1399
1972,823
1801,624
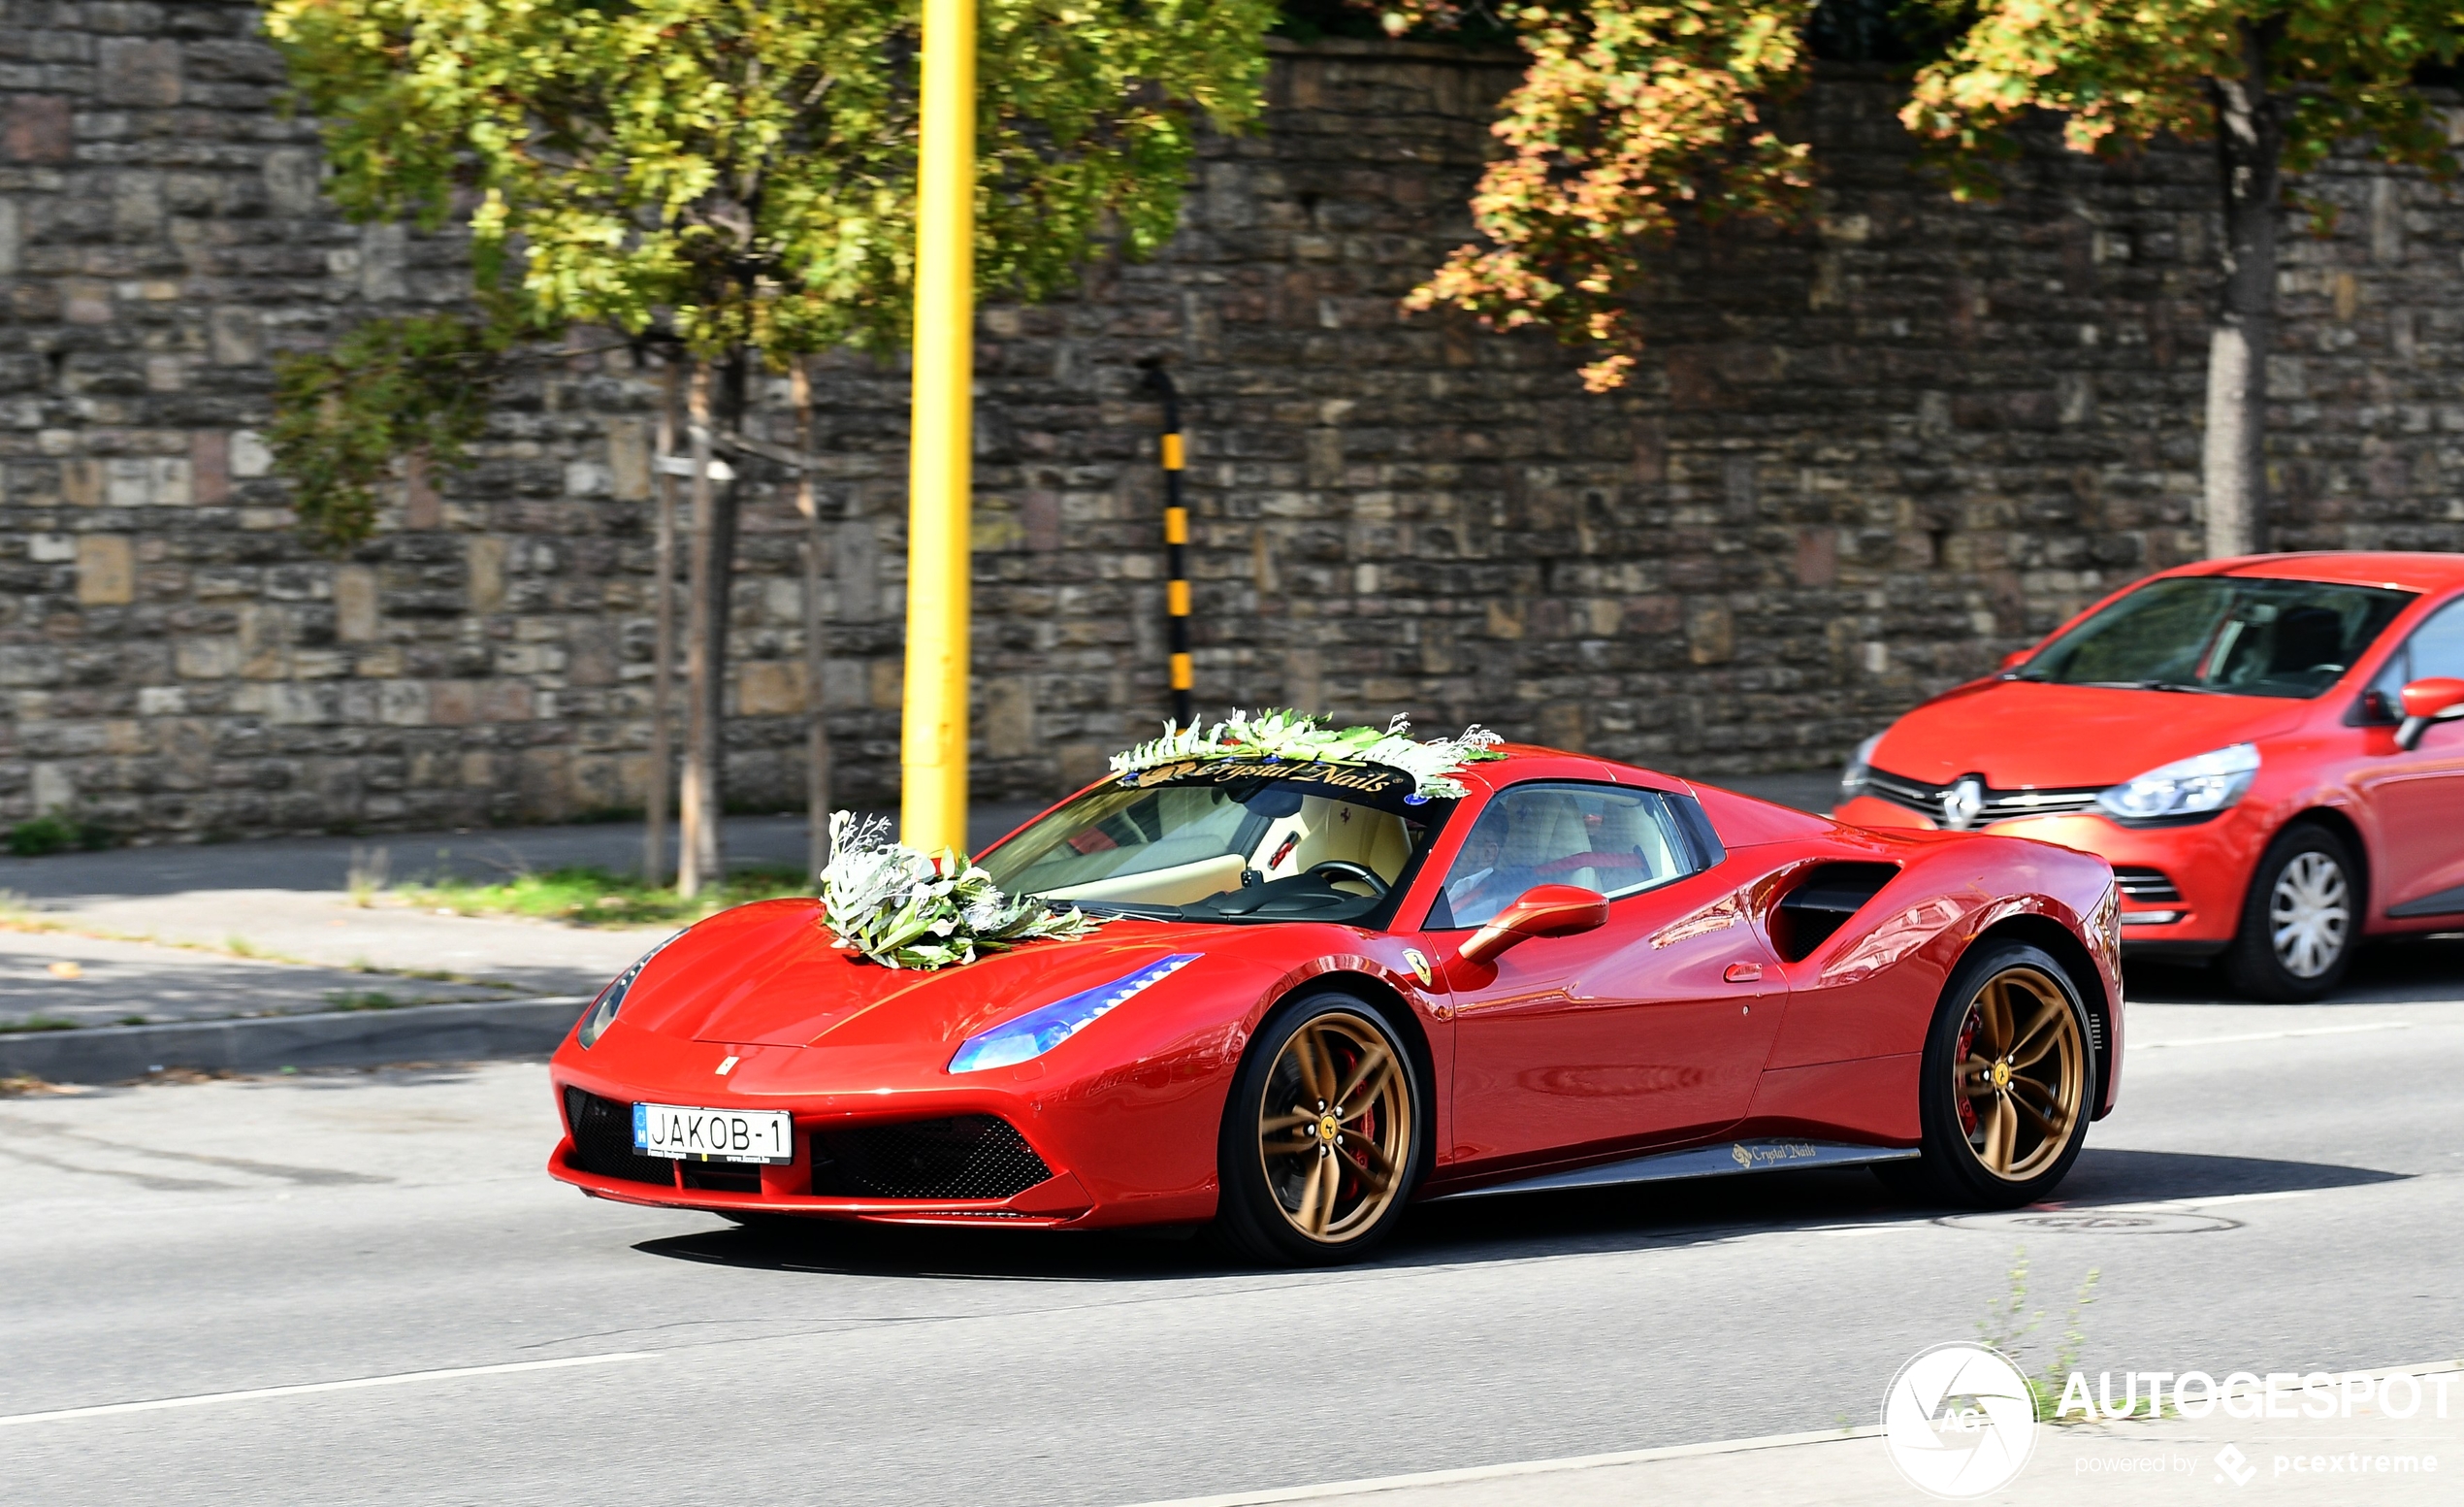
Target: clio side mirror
2435,700
1542,910
2016,658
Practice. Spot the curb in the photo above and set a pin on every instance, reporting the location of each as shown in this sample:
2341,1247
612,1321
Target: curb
461,1031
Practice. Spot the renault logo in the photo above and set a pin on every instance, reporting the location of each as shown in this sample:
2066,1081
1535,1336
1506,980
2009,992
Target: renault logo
1962,802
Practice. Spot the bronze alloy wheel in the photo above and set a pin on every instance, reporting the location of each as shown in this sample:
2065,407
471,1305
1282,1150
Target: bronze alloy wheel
1333,1127
2021,1074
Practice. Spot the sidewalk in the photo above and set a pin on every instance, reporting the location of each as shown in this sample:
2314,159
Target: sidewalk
2366,1459
254,955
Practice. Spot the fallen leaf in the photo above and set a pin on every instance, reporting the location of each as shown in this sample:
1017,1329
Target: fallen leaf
67,971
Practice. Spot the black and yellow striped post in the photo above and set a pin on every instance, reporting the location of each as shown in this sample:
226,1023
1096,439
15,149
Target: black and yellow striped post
1175,547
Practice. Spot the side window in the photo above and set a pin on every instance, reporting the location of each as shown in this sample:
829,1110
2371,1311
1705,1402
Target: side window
1599,836
2436,648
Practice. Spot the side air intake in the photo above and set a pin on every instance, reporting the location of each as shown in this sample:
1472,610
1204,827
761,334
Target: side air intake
1821,902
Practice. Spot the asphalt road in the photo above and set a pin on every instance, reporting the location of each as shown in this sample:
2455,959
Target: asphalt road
181,1241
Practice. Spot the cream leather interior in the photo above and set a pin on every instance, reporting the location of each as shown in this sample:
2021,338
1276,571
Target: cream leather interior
1334,829
1179,885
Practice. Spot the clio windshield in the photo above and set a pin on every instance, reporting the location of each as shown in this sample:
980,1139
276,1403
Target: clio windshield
1228,839
2227,634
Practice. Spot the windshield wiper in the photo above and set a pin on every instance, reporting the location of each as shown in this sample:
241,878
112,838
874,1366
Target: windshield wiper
1113,907
2176,685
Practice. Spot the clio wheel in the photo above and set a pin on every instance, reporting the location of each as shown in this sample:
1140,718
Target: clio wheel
1321,1138
2299,921
2008,1083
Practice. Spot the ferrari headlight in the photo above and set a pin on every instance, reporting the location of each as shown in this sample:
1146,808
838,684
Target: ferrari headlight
1852,779
2186,787
1039,1029
602,1010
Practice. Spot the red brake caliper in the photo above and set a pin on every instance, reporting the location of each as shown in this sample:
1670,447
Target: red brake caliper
1959,1077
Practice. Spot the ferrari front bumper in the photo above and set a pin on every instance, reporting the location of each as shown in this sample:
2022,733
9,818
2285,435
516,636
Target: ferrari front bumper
880,1137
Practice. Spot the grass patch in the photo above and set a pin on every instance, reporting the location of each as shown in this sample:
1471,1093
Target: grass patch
363,999
2008,1323
596,897
56,832
36,1023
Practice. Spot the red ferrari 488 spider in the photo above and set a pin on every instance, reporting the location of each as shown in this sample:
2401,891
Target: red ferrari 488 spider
1318,994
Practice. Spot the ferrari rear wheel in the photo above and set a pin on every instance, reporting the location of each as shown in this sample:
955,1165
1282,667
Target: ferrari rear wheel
2009,1082
1321,1139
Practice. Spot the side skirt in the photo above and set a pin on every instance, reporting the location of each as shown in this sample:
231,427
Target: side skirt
1724,1160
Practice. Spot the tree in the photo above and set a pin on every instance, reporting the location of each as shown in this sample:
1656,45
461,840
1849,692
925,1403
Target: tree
1635,115
2275,87
722,181
1630,119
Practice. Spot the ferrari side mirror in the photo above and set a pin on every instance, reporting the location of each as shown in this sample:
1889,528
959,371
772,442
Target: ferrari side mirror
1542,910
2435,700
2016,658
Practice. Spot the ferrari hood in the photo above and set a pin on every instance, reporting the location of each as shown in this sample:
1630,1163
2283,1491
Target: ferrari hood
769,975
2023,735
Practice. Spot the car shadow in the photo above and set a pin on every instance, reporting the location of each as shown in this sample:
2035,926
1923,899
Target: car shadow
2114,1176
2405,971
1522,1227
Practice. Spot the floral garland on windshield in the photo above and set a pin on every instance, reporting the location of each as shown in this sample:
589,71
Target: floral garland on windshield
906,909
1279,734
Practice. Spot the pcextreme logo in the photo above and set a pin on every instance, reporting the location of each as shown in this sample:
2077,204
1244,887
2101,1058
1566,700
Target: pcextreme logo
1959,1421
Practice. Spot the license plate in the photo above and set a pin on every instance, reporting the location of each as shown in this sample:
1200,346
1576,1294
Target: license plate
685,1135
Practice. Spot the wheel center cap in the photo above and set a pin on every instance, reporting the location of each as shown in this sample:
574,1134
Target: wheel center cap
2002,1075
1328,1128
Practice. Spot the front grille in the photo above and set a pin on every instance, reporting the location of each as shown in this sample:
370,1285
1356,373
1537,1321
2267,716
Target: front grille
723,1176
962,1157
2149,886
2000,806
603,1141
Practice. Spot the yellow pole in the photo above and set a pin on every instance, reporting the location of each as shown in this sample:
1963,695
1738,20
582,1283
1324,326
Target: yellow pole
934,738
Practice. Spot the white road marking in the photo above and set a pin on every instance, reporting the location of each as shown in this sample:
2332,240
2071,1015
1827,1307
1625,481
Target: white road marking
398,1379
2267,1035
1533,1467
2177,1205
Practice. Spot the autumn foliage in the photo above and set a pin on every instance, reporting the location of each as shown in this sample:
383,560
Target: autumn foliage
1630,119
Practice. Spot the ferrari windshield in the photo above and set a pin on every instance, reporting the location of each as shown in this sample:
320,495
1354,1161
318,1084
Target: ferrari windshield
1227,840
2230,634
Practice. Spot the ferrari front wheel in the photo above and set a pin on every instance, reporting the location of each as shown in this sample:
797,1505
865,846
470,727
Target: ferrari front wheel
2008,1084
1321,1139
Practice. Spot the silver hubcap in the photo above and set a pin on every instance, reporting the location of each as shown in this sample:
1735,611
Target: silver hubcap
2308,914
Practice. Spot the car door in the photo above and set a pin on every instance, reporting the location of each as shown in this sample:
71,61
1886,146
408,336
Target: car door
1652,1027
2415,797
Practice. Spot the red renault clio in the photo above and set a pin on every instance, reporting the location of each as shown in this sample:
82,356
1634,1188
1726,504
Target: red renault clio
2266,750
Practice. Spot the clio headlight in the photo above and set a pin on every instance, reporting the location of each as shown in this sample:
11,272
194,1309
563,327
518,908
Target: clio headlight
2186,787
1030,1035
603,1011
1852,779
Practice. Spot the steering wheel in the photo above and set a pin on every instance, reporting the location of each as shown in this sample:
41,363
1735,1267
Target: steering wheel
1345,868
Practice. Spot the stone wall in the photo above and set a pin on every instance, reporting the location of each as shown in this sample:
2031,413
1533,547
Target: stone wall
1866,460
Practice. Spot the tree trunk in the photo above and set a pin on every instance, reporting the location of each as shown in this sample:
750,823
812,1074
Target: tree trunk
702,862
817,798
662,652
2249,149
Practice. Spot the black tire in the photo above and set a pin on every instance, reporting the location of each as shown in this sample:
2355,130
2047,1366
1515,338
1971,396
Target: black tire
2301,920
1256,1220
1955,1165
